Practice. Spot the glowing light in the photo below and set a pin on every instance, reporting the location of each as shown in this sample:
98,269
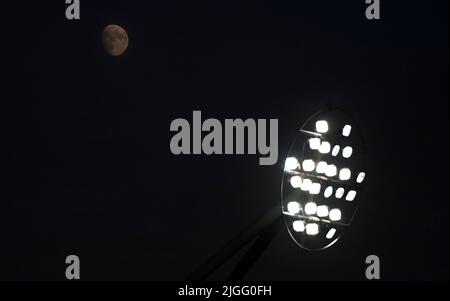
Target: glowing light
322,126
328,192
312,229
331,233
310,208
306,185
331,170
347,152
293,207
308,165
322,211
314,143
335,214
321,167
346,130
360,177
315,188
351,195
345,174
325,147
335,150
298,226
296,181
291,163
340,192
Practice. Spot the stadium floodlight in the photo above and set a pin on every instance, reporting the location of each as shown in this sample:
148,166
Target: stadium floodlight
335,161
320,193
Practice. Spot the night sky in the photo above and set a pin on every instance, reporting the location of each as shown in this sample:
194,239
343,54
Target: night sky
86,167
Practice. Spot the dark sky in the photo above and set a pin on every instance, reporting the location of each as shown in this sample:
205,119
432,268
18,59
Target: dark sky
86,167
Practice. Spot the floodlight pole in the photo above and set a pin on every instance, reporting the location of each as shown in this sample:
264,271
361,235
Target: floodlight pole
265,228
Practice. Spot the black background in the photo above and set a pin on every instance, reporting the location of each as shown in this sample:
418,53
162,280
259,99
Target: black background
86,167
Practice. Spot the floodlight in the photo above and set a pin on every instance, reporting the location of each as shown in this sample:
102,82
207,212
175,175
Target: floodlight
322,126
347,152
293,207
291,163
330,149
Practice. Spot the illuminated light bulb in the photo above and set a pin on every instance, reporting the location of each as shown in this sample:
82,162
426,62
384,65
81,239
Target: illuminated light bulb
298,226
314,143
335,150
296,181
345,174
331,233
360,177
340,192
308,165
315,188
347,152
312,229
291,163
346,130
306,185
325,147
293,207
322,126
322,211
328,192
351,195
310,208
335,214
331,170
321,167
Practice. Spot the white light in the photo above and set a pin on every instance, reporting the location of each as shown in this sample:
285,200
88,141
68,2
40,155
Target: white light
347,152
335,214
308,165
315,188
296,182
298,226
345,174
339,192
310,208
314,143
312,229
293,207
328,192
331,170
360,177
346,130
306,185
335,150
322,211
291,164
325,147
322,126
351,195
331,233
321,167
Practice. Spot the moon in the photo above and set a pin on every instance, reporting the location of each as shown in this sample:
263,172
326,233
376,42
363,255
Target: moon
114,40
